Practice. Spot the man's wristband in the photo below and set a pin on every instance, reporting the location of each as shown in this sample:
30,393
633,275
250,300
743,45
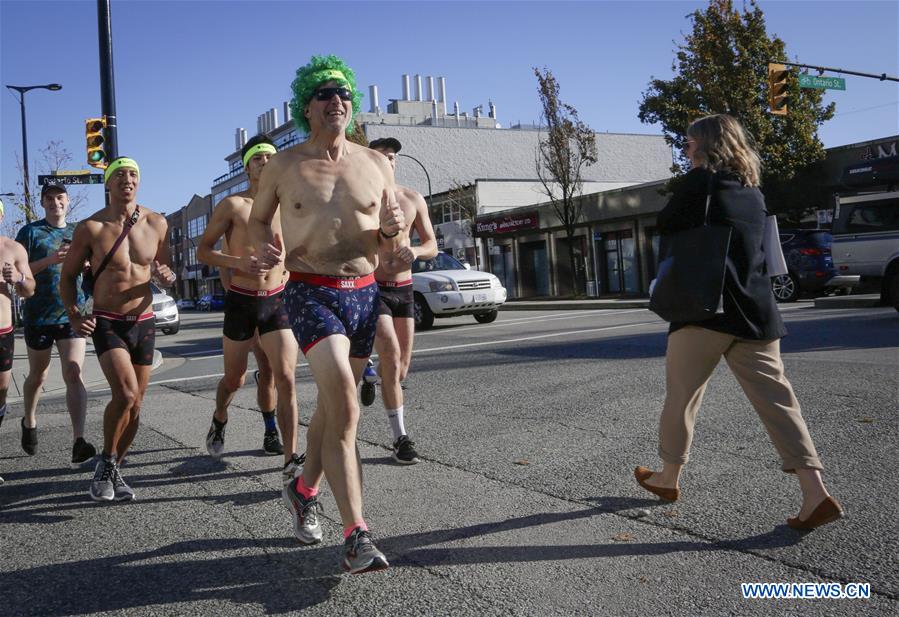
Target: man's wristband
393,235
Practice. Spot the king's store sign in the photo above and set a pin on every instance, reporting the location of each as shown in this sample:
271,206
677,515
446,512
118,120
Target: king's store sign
509,224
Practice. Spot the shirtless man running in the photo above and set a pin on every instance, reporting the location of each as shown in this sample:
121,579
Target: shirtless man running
337,209
131,241
16,275
254,309
396,321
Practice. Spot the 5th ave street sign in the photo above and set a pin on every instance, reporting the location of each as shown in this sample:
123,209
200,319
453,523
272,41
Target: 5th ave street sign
67,179
821,83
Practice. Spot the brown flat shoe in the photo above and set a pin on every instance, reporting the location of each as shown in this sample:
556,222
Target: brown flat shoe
665,494
827,511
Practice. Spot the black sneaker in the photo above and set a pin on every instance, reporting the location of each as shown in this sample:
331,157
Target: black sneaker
82,452
361,555
404,451
369,380
29,438
271,444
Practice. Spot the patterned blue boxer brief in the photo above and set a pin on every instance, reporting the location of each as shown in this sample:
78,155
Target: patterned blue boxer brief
320,306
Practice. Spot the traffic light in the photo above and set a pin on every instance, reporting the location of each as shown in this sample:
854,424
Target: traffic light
778,88
94,129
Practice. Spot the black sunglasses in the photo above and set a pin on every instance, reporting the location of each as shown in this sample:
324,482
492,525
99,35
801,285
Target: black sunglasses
326,94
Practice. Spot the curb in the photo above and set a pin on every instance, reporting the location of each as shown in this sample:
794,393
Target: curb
575,305
859,301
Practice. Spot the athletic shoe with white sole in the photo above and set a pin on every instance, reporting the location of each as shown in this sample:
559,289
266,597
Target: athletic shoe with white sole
361,555
306,526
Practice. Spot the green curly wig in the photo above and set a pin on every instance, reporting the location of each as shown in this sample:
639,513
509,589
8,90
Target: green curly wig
320,70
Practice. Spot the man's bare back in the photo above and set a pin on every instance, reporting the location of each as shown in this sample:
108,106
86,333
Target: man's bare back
329,209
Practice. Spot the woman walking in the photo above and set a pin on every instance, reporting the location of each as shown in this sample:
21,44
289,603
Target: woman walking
747,333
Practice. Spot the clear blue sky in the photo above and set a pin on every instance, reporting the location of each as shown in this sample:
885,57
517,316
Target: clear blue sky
188,73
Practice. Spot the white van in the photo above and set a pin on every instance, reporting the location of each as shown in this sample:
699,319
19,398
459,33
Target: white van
866,241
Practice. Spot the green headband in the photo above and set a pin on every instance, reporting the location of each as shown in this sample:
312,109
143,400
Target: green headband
119,163
330,75
257,149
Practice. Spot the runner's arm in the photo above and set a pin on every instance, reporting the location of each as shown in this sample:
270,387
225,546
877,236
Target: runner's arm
422,224
218,225
79,252
259,227
25,284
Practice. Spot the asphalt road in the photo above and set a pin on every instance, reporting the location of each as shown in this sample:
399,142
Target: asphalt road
525,503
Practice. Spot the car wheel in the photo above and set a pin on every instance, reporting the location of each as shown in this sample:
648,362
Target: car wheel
893,287
785,288
171,329
486,317
424,318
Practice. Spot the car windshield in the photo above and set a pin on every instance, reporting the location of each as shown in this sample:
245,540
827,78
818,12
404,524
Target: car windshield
441,262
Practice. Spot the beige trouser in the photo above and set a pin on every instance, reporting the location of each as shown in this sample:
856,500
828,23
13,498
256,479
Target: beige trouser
692,355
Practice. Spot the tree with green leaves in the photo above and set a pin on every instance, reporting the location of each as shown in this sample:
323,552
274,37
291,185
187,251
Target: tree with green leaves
722,67
569,145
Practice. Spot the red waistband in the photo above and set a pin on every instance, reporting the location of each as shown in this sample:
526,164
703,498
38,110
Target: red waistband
122,317
336,282
6,330
259,293
395,283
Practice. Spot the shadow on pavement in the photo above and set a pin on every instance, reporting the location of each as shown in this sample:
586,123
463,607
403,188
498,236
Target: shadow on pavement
281,582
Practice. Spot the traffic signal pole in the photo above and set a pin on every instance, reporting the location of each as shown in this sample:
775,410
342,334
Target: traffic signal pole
107,80
821,69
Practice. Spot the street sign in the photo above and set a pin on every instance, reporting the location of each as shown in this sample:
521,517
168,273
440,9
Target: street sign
70,180
821,83
71,172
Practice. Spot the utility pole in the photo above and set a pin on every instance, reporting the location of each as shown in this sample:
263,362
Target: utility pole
107,79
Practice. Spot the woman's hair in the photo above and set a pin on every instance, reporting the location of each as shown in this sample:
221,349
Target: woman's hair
723,145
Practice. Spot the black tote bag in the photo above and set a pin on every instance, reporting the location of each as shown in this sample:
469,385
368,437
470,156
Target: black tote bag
690,277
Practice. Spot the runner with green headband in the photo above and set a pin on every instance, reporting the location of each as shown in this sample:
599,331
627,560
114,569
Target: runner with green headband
131,241
255,318
337,207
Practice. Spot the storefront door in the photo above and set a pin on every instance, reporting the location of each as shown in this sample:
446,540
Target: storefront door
503,266
618,262
534,269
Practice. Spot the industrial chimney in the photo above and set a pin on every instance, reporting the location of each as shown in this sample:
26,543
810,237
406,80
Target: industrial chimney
418,87
405,87
373,95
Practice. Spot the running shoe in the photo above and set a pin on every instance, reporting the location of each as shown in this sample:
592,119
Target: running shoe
306,526
361,555
102,487
82,452
404,451
215,440
29,439
121,491
1,480
291,471
271,444
369,381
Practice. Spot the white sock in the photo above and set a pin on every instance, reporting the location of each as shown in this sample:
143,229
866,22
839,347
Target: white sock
396,422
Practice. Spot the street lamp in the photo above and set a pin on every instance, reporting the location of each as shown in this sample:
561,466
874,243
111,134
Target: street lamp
420,164
22,90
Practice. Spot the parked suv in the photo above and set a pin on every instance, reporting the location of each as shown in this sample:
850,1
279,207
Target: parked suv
444,287
167,317
866,241
809,264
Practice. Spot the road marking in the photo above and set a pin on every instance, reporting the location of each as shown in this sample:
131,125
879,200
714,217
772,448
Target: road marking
536,337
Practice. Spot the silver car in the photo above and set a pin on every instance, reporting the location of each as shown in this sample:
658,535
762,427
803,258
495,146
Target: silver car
167,317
